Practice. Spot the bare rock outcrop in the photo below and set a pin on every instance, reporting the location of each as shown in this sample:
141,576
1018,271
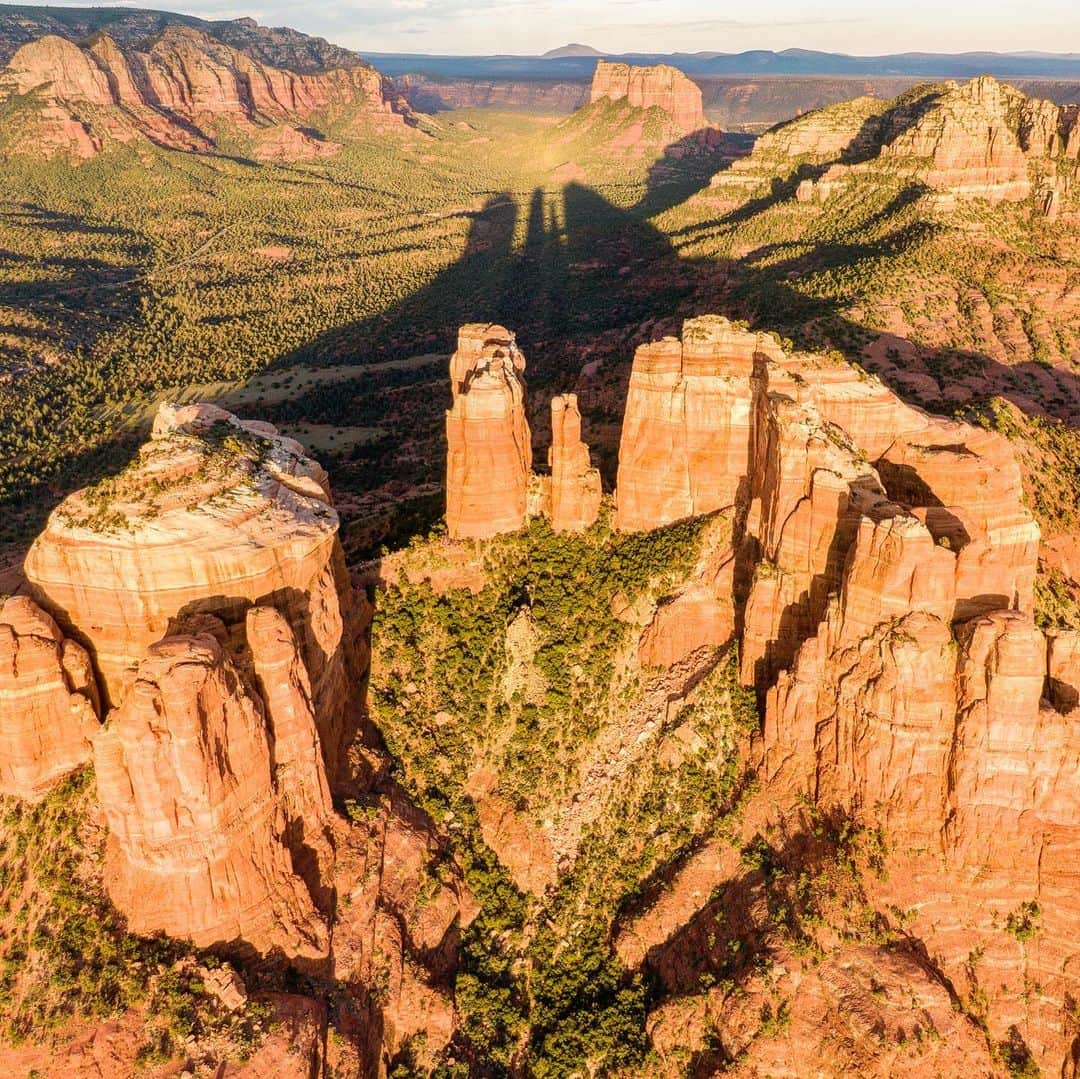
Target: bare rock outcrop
200,805
980,139
659,86
489,446
213,515
174,91
49,704
688,426
572,498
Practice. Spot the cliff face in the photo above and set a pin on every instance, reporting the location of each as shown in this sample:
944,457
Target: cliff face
173,93
49,703
981,139
659,86
489,446
213,515
687,430
201,801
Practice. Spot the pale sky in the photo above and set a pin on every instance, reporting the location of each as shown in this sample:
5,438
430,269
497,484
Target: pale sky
533,26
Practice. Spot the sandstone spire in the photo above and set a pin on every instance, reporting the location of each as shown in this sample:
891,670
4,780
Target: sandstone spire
489,446
574,490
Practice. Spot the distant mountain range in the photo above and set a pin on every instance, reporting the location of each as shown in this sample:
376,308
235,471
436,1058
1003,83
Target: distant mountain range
576,62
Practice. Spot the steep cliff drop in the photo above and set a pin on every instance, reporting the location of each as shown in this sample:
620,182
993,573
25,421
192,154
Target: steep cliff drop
887,626
214,514
49,701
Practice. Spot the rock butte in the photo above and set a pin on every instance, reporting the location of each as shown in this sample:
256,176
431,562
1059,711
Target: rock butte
660,86
183,82
213,515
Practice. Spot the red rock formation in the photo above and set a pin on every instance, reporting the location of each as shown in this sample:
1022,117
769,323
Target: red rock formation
185,82
687,430
198,826
213,515
975,140
48,702
573,493
489,447
659,86
810,488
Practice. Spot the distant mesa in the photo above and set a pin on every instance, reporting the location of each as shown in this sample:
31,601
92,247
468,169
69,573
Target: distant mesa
661,86
571,50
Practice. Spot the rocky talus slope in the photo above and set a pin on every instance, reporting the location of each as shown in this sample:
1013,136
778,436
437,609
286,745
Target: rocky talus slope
76,98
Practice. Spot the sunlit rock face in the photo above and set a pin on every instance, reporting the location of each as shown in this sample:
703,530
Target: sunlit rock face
687,431
173,91
573,491
489,446
49,702
214,800
659,86
213,515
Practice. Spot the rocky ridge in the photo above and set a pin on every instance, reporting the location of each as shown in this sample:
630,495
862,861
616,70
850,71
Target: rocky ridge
980,139
174,91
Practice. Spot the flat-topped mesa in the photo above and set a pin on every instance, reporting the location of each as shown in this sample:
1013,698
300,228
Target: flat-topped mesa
49,703
489,446
687,430
573,491
216,799
213,515
659,86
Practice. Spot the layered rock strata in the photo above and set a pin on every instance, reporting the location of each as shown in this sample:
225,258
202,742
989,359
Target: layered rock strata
204,791
980,139
49,704
214,515
727,418
659,86
489,446
688,426
573,491
173,92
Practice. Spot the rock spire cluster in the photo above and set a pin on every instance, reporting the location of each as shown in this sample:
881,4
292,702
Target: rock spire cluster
489,483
